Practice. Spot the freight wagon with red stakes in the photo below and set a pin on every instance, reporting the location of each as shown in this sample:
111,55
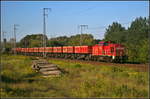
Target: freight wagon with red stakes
83,52
103,51
68,52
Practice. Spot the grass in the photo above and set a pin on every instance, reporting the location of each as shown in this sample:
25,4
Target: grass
82,80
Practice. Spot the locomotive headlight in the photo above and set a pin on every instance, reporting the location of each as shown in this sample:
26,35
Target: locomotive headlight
113,57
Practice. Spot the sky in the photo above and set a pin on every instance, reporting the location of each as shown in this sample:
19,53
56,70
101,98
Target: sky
65,16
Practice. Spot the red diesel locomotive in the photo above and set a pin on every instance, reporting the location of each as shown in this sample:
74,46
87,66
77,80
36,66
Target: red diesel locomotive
104,51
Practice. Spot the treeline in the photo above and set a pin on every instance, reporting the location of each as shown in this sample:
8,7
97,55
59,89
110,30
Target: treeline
36,40
135,38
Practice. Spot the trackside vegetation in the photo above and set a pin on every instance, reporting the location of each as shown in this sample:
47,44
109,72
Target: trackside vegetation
81,80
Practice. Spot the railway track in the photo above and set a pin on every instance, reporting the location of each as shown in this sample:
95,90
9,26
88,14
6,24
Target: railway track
139,67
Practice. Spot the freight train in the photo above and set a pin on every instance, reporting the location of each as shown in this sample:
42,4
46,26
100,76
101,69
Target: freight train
103,51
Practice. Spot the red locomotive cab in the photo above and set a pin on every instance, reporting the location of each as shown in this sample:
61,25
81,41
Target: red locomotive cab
107,49
103,49
119,53
120,50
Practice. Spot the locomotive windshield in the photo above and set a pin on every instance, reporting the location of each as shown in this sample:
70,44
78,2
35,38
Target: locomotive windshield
102,43
120,51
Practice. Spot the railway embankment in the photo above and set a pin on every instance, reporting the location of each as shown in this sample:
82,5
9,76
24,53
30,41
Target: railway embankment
138,67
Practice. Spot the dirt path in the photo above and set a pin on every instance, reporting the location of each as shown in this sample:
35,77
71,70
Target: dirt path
139,67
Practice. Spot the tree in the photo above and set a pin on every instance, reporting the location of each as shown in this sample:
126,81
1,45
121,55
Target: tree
115,32
138,30
143,52
34,40
137,40
58,41
87,39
